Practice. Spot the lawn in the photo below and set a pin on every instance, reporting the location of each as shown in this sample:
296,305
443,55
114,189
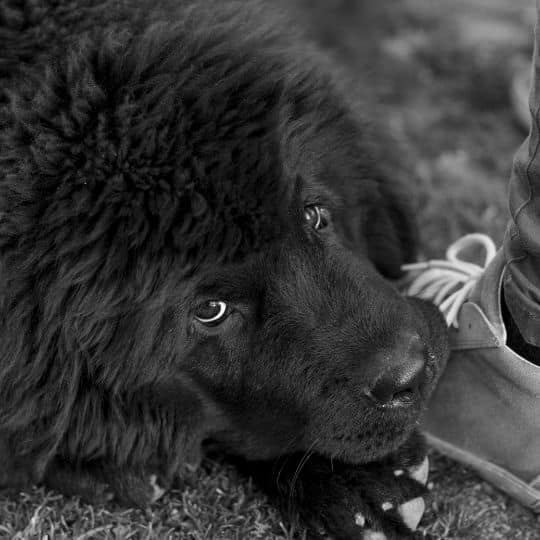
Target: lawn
442,70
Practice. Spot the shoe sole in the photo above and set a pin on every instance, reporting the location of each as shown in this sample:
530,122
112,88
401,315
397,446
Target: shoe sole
502,479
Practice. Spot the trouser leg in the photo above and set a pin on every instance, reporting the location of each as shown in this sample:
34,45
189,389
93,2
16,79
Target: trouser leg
522,241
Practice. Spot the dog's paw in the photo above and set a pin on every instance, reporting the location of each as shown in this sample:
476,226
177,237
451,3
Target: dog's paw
104,484
76,481
390,512
137,489
377,501
333,499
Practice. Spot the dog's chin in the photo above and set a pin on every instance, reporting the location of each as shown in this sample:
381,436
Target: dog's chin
378,437
359,454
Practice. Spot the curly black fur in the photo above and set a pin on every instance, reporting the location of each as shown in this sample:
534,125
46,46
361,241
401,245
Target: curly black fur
157,154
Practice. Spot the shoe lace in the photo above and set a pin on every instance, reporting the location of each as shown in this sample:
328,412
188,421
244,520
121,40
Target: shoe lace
448,283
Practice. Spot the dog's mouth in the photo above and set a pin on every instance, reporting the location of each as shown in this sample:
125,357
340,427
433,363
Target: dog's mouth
354,431
369,426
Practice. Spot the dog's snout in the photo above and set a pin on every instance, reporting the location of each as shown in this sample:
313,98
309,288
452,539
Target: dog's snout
399,383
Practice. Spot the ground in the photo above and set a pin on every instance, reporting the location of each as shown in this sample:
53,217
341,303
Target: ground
443,70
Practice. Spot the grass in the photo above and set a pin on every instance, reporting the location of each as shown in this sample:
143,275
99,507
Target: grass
442,70
214,503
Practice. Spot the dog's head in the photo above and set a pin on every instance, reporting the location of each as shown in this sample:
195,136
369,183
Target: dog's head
197,217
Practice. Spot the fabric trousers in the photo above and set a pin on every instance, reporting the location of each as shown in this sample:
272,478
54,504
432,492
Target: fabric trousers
521,244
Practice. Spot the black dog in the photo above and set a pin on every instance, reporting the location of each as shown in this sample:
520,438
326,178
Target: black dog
196,233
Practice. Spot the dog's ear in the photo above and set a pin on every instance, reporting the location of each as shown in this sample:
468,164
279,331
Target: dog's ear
376,216
348,156
390,231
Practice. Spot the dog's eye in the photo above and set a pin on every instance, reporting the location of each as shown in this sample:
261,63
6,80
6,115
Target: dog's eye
316,216
212,313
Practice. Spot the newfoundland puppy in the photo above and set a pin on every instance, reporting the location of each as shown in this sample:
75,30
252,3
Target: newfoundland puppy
198,238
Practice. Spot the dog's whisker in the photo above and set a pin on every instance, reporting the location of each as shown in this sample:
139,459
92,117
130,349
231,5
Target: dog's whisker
305,458
286,457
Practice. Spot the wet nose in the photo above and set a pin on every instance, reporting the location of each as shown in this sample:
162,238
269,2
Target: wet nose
399,384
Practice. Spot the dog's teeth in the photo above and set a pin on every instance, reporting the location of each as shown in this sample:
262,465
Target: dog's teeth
359,519
387,506
421,472
398,472
412,511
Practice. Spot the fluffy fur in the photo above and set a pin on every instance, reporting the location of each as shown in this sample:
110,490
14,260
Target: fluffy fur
156,155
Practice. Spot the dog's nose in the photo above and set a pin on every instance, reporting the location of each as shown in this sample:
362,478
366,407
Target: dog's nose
400,383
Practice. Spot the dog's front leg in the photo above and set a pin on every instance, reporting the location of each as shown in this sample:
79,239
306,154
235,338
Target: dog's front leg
18,472
99,484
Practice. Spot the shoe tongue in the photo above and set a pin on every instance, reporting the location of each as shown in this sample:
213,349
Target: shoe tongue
487,295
